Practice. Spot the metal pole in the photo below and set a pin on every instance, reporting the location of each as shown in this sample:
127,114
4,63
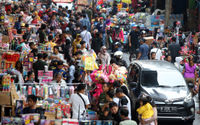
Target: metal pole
168,5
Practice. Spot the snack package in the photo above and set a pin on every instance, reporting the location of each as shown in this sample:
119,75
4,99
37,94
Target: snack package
50,122
30,119
11,121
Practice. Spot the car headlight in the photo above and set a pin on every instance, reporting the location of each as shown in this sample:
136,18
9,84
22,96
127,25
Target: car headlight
188,98
192,110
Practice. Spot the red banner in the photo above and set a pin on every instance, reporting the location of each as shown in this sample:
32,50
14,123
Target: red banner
62,1
100,2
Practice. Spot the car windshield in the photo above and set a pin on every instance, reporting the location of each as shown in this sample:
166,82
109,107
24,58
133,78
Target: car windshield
162,78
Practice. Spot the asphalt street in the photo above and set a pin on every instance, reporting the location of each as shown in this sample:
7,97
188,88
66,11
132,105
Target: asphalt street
197,117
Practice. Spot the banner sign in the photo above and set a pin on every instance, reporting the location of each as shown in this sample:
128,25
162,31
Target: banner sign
46,77
62,1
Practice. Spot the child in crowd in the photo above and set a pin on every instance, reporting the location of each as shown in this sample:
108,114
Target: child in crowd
145,111
31,108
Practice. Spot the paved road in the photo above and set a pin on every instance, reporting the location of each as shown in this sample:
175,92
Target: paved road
197,117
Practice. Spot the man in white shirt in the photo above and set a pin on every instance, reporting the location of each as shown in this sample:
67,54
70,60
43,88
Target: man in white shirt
79,102
56,55
58,80
124,101
87,37
156,50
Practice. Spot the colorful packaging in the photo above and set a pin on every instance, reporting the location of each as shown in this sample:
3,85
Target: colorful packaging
19,107
59,113
62,92
46,92
30,119
70,122
11,121
30,90
50,122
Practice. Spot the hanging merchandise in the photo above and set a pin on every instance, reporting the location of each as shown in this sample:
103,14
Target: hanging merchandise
89,60
28,61
115,73
47,91
6,82
10,58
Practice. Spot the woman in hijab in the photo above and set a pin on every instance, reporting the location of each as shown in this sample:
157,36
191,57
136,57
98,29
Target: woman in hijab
76,42
104,56
179,63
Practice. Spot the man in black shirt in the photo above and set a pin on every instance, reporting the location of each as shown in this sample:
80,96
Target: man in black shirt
115,113
174,49
38,65
34,49
134,41
32,99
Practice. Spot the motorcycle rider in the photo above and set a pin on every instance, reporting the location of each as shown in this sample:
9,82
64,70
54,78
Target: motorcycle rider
118,59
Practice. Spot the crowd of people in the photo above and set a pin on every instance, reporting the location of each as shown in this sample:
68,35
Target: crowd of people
66,35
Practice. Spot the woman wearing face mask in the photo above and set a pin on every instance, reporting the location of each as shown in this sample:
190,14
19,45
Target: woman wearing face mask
179,63
104,56
31,77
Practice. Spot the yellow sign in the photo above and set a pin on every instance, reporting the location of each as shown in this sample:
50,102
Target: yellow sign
119,6
89,63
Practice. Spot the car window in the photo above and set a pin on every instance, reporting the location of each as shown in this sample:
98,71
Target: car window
149,78
162,78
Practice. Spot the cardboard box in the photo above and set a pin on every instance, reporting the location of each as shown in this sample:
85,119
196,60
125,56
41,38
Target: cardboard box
5,39
149,40
50,115
5,98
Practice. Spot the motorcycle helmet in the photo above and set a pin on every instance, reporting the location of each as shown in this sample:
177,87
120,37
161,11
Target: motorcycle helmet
118,54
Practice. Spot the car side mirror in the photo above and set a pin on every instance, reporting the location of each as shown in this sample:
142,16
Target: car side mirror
132,84
190,85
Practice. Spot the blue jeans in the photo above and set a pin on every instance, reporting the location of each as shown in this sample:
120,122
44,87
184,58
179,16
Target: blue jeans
104,39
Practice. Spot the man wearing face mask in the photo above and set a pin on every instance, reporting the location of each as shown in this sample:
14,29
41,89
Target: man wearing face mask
104,56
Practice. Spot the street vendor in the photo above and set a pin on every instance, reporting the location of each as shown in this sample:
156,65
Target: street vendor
31,108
